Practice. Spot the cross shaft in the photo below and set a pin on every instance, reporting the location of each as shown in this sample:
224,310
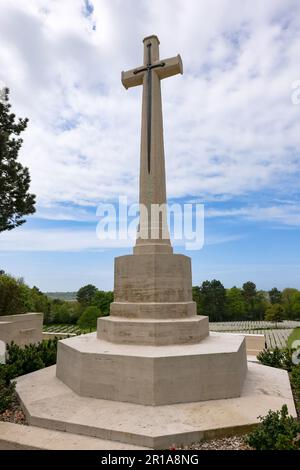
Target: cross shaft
152,164
148,69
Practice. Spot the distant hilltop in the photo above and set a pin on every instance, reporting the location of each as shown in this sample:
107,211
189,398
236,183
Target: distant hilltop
68,296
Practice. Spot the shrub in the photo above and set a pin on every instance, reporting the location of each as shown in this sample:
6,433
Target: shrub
276,431
32,357
280,358
295,381
7,395
89,318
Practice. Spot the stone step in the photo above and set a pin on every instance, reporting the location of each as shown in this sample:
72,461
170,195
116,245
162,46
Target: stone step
49,403
20,437
156,332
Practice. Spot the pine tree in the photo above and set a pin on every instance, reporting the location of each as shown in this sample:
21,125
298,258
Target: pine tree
15,200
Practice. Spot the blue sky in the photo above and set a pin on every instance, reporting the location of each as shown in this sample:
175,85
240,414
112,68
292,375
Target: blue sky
231,124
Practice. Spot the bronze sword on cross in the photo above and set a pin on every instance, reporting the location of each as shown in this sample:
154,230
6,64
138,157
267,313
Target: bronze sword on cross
148,69
134,77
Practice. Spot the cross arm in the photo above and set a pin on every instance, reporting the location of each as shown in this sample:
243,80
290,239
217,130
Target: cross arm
132,77
172,66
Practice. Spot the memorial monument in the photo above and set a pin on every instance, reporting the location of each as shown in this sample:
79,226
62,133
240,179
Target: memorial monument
152,375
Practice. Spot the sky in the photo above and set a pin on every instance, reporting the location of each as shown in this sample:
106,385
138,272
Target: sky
231,124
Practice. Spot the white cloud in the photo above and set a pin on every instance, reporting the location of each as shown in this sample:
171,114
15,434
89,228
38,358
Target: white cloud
230,125
63,240
70,240
288,214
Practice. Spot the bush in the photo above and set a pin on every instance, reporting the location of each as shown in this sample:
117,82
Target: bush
7,395
280,358
89,318
295,381
276,431
21,361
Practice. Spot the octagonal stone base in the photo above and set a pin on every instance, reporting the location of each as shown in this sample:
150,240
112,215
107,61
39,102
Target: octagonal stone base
48,403
153,375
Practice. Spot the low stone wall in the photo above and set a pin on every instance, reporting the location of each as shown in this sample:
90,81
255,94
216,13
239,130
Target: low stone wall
21,329
255,343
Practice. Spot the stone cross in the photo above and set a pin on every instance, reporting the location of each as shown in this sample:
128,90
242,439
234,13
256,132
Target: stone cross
153,235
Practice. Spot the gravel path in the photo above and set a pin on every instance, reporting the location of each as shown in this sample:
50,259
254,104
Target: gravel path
226,443
14,414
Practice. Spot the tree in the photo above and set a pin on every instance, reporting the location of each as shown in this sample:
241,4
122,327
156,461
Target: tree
15,200
275,313
89,318
213,297
249,294
296,306
86,294
65,311
16,297
261,303
275,296
102,300
288,301
11,299
235,304
61,313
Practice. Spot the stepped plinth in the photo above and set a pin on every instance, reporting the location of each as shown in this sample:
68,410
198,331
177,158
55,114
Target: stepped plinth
153,349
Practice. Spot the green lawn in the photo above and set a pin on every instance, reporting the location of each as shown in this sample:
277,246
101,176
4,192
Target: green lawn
295,335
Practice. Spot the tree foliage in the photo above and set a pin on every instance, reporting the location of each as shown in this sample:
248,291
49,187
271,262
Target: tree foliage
212,296
275,313
275,296
246,303
86,294
89,318
102,300
15,199
235,304
16,297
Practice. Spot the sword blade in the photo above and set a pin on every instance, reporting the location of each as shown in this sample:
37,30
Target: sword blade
149,110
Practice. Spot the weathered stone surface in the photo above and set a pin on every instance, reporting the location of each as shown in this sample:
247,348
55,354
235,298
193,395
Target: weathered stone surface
153,331
51,404
153,375
157,310
21,329
153,278
19,437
